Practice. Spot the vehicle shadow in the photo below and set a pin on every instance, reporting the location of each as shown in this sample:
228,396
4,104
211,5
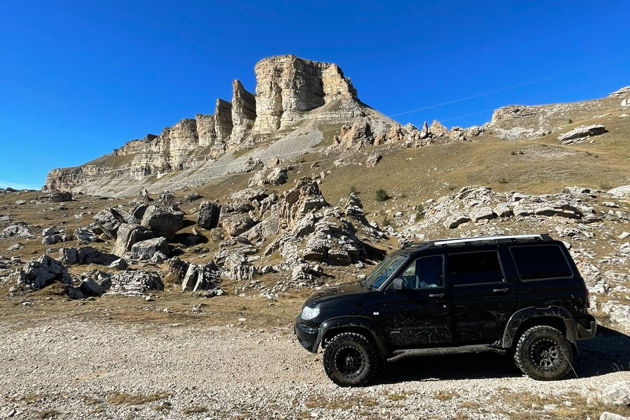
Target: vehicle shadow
607,352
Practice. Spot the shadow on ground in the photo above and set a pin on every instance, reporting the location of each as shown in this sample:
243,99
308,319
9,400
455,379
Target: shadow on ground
607,352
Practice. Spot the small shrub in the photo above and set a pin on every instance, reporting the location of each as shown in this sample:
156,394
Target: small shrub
419,212
386,222
513,153
381,195
570,121
503,180
353,189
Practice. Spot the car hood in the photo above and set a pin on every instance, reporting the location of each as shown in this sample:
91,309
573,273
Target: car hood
344,289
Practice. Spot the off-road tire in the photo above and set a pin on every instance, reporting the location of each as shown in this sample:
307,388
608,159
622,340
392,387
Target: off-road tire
350,359
543,353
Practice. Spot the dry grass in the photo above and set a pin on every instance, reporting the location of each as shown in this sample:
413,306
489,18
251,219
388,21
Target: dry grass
525,406
197,409
120,398
48,414
397,396
341,403
445,395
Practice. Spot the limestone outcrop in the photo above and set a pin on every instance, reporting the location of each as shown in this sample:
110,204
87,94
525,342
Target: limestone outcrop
288,85
289,91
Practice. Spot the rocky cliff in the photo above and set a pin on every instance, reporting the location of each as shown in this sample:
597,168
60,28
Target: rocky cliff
292,95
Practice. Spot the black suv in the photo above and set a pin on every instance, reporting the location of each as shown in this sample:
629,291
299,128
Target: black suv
518,294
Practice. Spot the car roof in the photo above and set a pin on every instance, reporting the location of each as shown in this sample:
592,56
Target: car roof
415,247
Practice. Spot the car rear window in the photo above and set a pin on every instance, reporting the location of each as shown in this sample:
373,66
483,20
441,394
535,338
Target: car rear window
474,268
536,262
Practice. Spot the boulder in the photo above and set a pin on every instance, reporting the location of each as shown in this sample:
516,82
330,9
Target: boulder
52,239
85,235
138,212
581,133
177,268
158,258
482,213
17,230
617,394
236,223
146,249
373,160
356,135
612,416
305,197
60,196
110,219
119,264
128,235
502,210
162,221
85,255
455,220
41,272
621,192
277,176
208,215
135,283
90,288
193,196
200,277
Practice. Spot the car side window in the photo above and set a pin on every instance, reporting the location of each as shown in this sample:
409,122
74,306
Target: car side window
474,268
424,273
535,262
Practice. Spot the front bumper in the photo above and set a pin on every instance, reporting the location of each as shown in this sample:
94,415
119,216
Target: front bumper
306,335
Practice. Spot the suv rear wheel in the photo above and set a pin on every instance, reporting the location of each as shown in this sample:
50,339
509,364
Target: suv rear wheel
543,353
350,359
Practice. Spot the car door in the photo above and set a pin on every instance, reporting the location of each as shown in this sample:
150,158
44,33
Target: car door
418,314
482,299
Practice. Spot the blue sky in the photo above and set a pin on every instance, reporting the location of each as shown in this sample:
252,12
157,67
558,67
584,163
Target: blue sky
80,78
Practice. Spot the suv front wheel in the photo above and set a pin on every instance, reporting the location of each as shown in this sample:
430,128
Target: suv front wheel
350,359
543,353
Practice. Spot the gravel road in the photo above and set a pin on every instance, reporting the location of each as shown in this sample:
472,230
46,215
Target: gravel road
91,368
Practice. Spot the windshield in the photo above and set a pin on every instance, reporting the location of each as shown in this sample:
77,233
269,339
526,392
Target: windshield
383,271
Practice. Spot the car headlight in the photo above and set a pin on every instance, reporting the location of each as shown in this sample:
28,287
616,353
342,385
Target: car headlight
309,313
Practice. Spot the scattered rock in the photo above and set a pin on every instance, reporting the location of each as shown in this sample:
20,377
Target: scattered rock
109,220
277,176
208,216
146,249
41,272
373,160
60,196
128,235
482,213
162,221
119,264
200,277
17,230
617,394
455,220
135,283
580,133
236,223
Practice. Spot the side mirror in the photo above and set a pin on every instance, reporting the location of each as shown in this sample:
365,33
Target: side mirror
398,283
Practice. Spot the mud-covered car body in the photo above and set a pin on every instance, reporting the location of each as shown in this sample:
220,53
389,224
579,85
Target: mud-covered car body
470,294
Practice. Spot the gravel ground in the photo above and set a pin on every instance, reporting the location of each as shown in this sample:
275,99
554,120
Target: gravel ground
78,369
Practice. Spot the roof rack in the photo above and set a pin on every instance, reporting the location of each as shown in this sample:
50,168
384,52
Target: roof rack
512,238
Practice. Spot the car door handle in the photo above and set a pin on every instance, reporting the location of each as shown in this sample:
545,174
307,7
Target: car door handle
437,295
504,290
